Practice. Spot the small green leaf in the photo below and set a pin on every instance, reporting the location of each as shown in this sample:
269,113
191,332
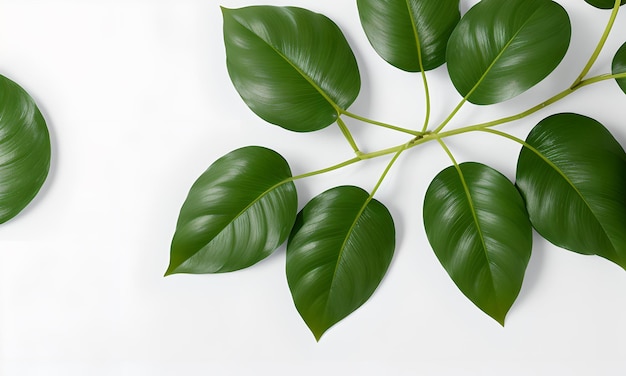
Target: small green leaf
292,67
572,175
619,66
478,227
604,4
337,254
237,213
500,49
400,29
24,149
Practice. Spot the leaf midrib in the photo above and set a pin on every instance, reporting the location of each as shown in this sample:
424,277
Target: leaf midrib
470,201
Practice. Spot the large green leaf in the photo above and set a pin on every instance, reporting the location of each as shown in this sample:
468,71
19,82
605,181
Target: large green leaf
292,67
337,254
619,66
604,4
572,175
24,149
236,214
478,227
500,48
403,30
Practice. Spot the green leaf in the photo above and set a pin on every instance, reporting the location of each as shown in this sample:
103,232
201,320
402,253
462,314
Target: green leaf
500,49
604,4
292,67
400,29
237,213
24,149
572,174
337,254
619,66
478,227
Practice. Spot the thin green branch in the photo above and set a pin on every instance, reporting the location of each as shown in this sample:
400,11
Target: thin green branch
381,124
391,163
346,133
532,110
600,45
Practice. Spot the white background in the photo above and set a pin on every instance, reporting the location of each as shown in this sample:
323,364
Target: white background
139,104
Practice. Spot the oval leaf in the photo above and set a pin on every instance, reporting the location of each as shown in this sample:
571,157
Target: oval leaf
237,213
501,49
619,66
402,31
604,4
24,149
478,227
572,175
337,254
292,67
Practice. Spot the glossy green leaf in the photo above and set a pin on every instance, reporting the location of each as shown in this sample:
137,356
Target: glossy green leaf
237,213
24,149
619,66
604,4
572,175
478,227
403,30
337,254
500,49
292,67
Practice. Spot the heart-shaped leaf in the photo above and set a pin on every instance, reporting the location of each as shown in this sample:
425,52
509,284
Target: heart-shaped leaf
500,49
292,67
619,66
24,149
337,254
403,31
572,175
604,4
237,213
478,227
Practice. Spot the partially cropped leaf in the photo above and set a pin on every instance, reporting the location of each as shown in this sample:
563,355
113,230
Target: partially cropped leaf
478,227
339,250
236,214
500,48
572,175
292,67
402,31
604,4
619,66
24,149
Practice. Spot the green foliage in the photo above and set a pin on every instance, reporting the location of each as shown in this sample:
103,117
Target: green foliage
572,173
338,252
411,35
236,214
294,68
478,227
497,52
604,4
24,149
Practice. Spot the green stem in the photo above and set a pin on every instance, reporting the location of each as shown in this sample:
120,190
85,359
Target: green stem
427,94
380,124
600,45
452,114
348,135
324,170
382,177
532,110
